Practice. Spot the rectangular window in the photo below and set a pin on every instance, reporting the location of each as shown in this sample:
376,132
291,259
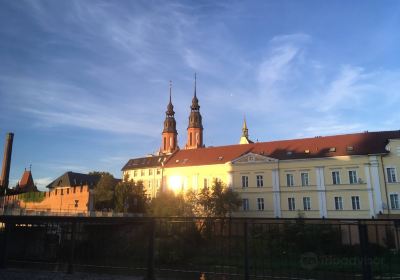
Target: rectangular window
260,181
338,203
306,203
135,173
289,180
245,204
150,172
355,202
205,183
291,204
335,177
304,179
352,177
394,201
260,204
141,172
245,182
158,171
391,175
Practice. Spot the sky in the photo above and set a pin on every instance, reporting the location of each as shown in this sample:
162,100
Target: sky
84,84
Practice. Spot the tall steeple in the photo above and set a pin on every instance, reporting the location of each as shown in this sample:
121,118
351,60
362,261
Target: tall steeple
169,135
245,131
195,127
244,139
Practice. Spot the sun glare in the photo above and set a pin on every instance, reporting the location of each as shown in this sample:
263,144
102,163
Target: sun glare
175,183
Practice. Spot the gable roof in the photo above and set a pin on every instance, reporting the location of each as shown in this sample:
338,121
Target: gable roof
73,179
26,179
26,184
145,162
318,147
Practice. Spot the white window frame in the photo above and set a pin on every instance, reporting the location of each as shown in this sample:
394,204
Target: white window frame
260,203
397,201
291,204
205,183
245,204
289,179
260,181
339,203
245,181
307,203
135,173
352,177
336,181
390,178
356,199
305,180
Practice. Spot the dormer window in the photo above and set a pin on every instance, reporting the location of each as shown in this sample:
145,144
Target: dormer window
220,157
307,151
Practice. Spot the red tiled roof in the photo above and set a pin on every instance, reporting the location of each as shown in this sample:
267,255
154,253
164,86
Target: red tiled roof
318,147
26,179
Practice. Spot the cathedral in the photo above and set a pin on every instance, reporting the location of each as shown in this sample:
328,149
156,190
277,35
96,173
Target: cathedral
340,176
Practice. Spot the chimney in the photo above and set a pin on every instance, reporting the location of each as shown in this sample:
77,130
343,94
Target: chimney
5,171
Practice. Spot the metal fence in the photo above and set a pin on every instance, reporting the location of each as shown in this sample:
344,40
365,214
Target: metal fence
204,248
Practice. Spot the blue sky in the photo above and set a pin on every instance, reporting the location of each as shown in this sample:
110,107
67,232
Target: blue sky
84,84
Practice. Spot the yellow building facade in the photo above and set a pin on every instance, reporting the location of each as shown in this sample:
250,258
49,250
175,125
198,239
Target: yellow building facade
340,176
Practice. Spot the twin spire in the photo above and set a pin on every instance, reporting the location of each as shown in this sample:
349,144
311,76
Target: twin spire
194,130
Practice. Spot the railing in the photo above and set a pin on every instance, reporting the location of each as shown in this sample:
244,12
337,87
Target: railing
205,248
46,212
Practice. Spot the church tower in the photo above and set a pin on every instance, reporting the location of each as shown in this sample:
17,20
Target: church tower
195,128
169,135
244,139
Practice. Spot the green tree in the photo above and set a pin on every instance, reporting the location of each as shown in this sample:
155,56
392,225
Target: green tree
104,190
130,196
167,204
219,201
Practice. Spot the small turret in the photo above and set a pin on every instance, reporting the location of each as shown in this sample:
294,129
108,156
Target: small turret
244,139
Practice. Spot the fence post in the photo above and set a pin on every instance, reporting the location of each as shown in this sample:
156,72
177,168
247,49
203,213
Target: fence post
150,252
3,257
246,252
365,258
70,269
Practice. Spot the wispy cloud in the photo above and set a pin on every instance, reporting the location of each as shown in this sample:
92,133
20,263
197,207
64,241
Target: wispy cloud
53,103
41,183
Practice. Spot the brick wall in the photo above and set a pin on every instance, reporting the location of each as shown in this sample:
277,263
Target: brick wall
66,199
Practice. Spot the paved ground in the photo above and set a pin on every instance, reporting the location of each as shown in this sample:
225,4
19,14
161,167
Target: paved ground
19,274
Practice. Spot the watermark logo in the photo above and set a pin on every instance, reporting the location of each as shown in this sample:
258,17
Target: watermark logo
311,260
